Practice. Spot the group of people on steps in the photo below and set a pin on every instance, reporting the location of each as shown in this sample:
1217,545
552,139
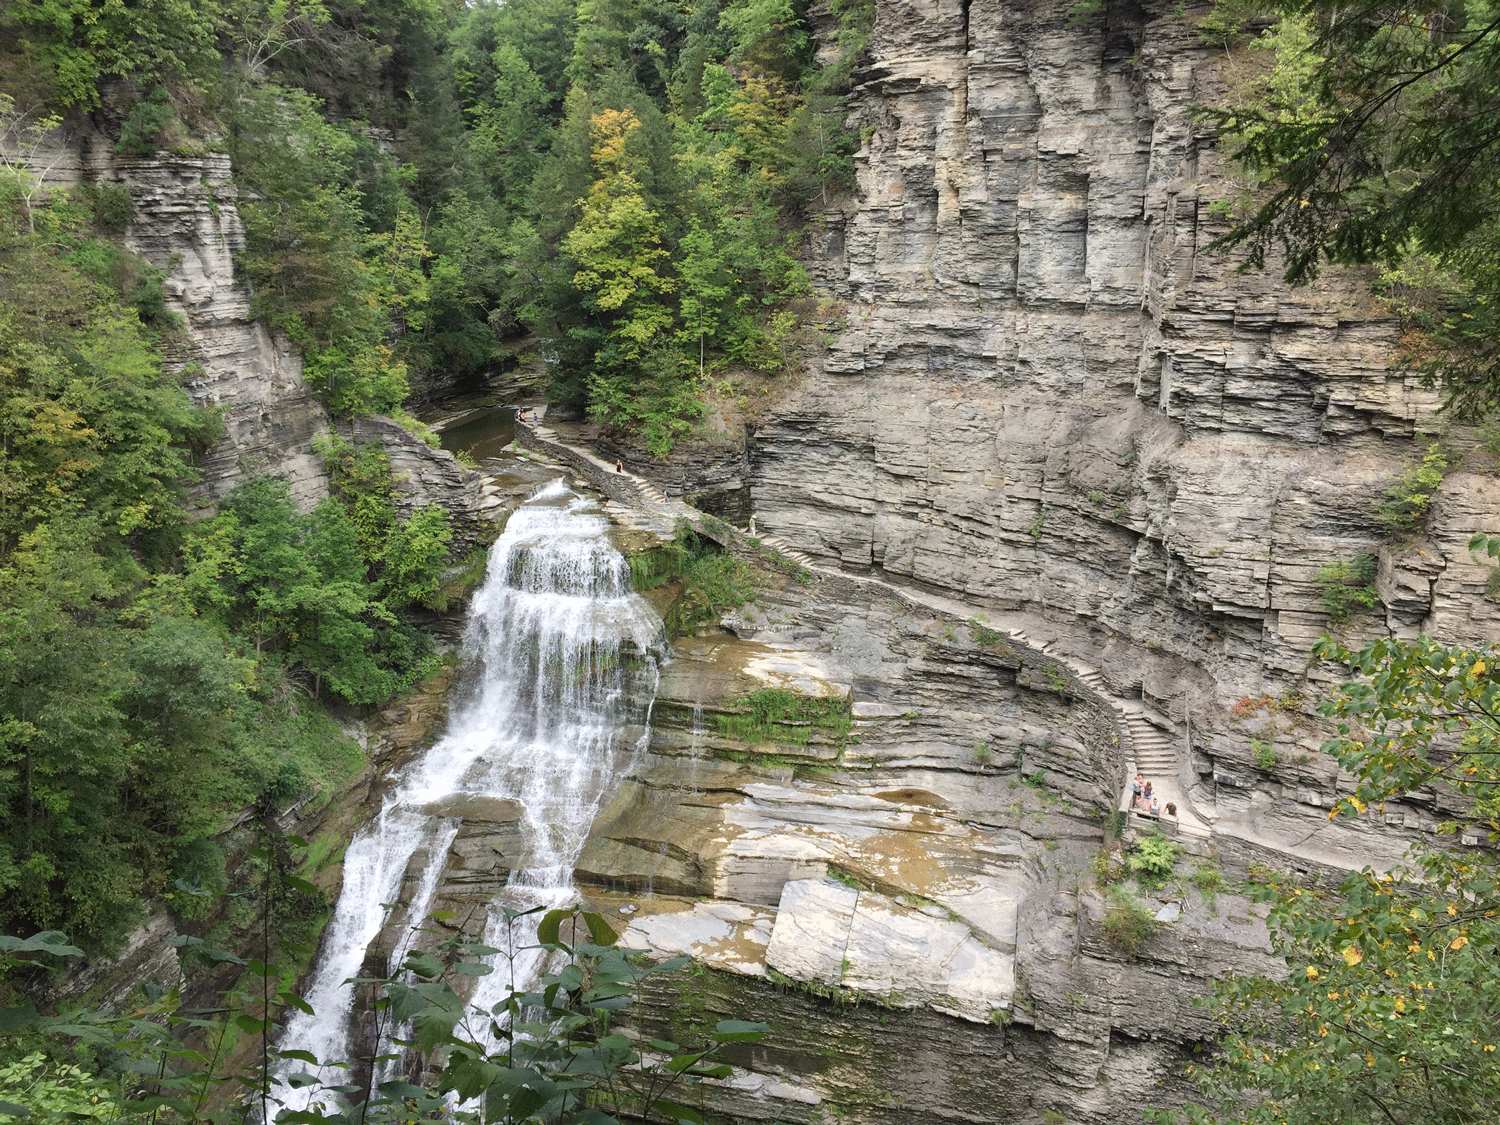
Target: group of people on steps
1143,800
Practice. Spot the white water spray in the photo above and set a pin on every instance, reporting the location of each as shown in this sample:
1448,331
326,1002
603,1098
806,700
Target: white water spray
560,658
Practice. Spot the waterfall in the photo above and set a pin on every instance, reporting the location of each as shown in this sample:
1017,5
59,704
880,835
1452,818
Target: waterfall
559,660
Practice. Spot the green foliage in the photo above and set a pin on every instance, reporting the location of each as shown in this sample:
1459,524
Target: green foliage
1209,880
773,715
144,124
318,273
713,580
404,560
1263,752
1151,860
111,204
57,1090
982,634
1226,23
1388,1006
1083,12
561,1050
77,44
1347,587
1128,925
1408,500
1377,149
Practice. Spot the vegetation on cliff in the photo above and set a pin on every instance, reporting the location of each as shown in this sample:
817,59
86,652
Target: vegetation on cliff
1390,1009
559,1052
1371,139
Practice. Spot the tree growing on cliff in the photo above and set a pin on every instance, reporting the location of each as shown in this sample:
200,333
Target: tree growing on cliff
1390,1009
1391,156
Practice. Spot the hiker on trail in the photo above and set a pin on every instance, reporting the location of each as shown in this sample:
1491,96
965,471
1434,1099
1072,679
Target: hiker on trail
1155,807
619,466
1171,809
1147,793
1135,789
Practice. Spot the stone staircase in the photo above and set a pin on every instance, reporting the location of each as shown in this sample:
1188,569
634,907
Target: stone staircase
785,549
1151,748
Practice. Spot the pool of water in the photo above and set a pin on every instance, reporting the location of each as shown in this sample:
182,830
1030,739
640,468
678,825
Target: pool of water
483,432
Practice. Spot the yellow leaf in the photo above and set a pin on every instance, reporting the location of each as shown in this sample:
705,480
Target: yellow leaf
1459,942
1369,1058
1352,956
1312,973
1478,667
1400,1003
1453,908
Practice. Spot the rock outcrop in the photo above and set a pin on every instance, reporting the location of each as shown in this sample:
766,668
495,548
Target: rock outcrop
185,221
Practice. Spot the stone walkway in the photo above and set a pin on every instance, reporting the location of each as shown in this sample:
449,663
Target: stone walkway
1151,745
1152,742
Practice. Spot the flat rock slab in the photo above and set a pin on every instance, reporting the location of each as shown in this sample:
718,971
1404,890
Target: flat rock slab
722,935
829,934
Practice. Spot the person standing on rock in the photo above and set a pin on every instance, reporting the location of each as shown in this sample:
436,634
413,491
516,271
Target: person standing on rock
619,466
1136,789
1171,810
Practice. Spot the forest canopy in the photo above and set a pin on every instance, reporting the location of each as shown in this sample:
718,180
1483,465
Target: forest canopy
624,179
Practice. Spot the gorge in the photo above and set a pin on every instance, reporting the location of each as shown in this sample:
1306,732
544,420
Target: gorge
1045,499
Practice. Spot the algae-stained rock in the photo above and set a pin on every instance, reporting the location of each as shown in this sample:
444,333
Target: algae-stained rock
841,937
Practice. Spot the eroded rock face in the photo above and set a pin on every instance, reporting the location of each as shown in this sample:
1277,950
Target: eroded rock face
912,907
1049,396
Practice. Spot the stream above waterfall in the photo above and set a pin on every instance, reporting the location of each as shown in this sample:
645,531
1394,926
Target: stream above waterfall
560,672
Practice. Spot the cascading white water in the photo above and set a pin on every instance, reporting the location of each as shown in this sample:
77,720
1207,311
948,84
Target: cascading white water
559,652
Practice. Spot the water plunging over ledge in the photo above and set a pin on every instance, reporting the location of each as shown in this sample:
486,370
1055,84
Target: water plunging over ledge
559,658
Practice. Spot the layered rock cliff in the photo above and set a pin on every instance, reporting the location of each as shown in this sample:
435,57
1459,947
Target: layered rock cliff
1050,401
1049,397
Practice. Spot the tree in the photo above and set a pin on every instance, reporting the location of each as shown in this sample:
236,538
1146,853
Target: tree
616,244
1390,1010
1389,148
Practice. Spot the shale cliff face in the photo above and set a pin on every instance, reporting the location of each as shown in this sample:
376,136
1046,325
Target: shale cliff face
1049,398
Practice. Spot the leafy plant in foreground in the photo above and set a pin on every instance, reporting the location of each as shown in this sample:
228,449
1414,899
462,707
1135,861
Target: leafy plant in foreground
1390,1008
551,1053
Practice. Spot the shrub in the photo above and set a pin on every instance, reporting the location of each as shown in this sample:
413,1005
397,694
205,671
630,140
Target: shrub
1409,499
1209,881
1347,587
111,205
1151,860
1128,925
144,124
1264,750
